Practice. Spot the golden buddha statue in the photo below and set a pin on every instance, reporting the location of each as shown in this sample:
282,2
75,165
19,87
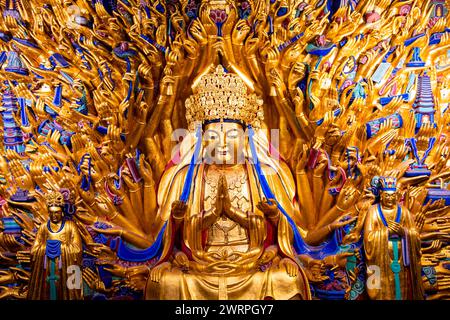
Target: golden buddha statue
223,238
56,247
92,94
392,244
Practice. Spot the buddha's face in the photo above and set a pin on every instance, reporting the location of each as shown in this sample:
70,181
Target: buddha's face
223,143
55,214
388,199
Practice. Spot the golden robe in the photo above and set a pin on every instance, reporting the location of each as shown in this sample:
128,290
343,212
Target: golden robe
379,253
254,284
71,251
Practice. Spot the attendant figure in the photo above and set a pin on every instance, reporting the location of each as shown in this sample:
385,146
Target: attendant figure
392,247
57,247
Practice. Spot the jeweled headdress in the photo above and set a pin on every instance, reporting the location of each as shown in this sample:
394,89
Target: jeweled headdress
54,199
388,184
220,95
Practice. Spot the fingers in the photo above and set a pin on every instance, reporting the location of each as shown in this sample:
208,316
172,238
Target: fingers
156,273
346,254
346,222
224,182
260,206
293,272
179,205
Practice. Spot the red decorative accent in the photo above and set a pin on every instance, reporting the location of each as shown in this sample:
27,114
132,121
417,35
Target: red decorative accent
404,10
372,17
321,41
313,157
270,235
218,16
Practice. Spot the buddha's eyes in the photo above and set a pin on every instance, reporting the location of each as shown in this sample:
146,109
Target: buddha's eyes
232,134
211,135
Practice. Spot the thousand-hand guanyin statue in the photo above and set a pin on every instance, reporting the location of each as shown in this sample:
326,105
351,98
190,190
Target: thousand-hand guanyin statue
218,149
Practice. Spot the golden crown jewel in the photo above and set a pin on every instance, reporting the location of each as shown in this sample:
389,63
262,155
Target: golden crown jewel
220,95
54,199
388,183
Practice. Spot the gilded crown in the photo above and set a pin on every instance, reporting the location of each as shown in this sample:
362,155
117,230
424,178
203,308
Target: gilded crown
220,95
54,199
388,183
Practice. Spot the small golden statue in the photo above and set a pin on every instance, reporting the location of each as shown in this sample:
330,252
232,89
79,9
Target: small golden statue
56,248
220,149
392,246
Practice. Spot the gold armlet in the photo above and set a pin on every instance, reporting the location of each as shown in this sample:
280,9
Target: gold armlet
340,209
135,190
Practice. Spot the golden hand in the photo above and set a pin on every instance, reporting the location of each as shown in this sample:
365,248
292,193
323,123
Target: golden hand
301,159
21,176
95,249
316,271
223,201
181,261
145,171
157,272
337,260
14,292
321,166
269,208
192,48
198,32
94,282
290,266
117,270
252,45
136,277
178,210
348,195
352,237
342,221
396,228
240,32
269,254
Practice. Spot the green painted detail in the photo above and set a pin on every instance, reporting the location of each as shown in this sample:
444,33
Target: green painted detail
51,279
395,267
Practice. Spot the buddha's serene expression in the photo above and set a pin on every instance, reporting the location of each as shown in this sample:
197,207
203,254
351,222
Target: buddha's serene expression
55,214
388,199
223,142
